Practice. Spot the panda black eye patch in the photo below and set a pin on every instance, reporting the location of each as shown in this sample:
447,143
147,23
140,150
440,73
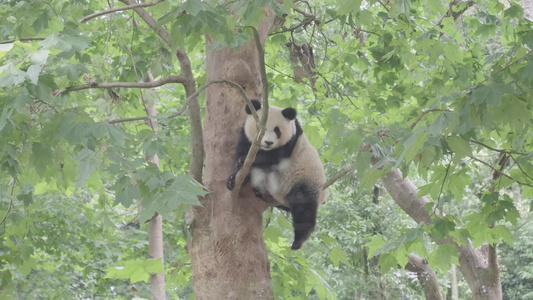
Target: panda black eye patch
278,132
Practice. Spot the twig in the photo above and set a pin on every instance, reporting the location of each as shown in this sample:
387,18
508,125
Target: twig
520,167
151,22
107,85
24,39
187,101
339,174
502,174
498,150
203,87
424,113
112,10
308,19
10,202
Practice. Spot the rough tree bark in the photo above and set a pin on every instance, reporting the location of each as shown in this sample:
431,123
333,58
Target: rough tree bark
479,266
228,253
426,276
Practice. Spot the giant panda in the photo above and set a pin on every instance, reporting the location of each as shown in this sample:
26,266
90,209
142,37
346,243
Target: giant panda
287,169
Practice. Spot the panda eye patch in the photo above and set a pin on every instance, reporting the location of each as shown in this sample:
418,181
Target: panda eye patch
278,132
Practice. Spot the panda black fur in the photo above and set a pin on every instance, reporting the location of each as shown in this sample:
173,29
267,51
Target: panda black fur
286,170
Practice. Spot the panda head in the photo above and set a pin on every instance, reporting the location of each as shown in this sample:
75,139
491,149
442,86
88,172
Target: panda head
280,126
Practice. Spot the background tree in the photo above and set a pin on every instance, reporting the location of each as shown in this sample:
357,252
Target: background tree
429,101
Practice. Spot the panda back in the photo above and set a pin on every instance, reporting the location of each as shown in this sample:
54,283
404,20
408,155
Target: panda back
305,168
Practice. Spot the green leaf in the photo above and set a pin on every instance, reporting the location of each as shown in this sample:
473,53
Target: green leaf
386,262
126,192
503,233
39,58
72,71
71,129
87,163
33,73
186,190
444,257
348,6
42,158
491,95
135,270
337,255
436,6
459,146
414,144
486,30
375,244
102,129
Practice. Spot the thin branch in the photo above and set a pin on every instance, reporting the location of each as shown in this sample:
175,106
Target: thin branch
451,13
203,87
498,150
112,10
502,174
187,101
520,167
514,62
424,113
10,202
117,121
108,85
340,174
308,19
24,39
151,22
250,157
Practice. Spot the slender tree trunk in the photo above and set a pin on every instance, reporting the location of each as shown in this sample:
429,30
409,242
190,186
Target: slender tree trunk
454,287
479,266
155,226
228,253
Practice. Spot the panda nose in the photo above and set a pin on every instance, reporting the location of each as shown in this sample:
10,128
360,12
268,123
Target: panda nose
268,143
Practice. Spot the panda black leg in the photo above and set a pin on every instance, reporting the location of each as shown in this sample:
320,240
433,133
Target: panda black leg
230,184
303,202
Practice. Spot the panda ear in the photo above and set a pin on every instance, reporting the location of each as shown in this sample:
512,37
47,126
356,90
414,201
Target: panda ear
289,113
255,103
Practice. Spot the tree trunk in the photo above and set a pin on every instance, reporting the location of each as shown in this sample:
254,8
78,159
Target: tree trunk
155,226
426,276
454,288
228,252
481,271
479,266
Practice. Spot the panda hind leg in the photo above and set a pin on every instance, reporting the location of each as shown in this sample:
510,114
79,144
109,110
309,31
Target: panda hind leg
303,205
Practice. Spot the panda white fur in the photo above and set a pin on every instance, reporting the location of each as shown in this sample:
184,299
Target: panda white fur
287,169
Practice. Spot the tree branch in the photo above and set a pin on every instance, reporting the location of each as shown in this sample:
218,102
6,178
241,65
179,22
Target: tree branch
112,10
23,39
424,113
10,202
502,174
250,157
451,13
308,19
426,276
187,101
151,22
337,176
107,85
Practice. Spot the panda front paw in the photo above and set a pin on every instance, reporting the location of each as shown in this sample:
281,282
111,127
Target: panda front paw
240,162
230,184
